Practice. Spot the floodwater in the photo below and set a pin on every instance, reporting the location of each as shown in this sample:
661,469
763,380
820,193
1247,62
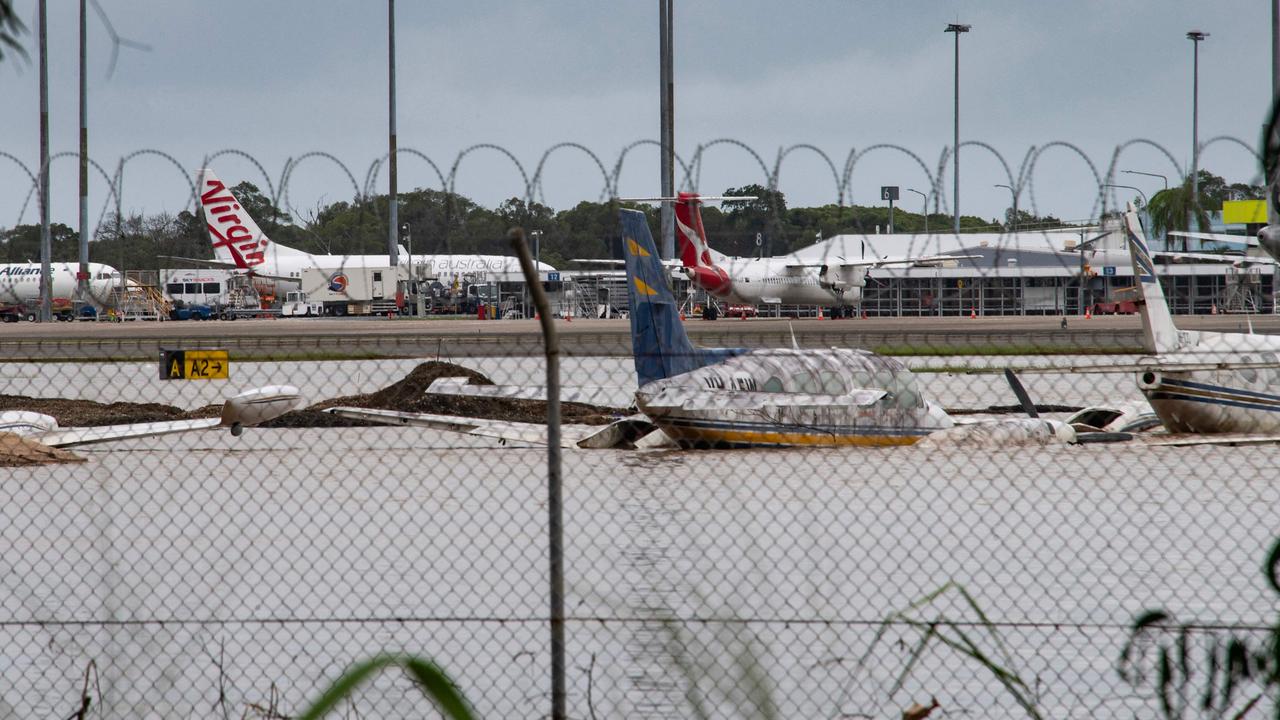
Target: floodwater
205,575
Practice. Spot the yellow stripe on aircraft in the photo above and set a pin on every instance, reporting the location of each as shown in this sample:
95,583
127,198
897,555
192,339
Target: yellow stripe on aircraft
644,288
634,248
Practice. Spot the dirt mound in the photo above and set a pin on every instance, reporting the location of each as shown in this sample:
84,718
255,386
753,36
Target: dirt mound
17,451
410,395
81,413
405,395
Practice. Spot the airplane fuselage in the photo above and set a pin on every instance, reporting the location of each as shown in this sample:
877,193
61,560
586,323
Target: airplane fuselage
776,281
825,397
20,282
1225,400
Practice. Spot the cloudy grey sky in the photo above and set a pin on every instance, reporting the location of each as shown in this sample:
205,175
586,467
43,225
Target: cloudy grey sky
283,78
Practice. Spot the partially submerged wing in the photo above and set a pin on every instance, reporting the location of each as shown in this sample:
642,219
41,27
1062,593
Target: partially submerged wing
586,436
461,387
68,437
1224,439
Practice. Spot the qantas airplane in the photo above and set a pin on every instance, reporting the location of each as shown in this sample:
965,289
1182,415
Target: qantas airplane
785,280
20,283
240,245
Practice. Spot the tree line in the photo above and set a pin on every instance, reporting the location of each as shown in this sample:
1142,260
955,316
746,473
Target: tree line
441,222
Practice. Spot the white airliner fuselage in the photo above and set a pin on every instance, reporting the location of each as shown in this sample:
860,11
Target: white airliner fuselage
240,245
20,282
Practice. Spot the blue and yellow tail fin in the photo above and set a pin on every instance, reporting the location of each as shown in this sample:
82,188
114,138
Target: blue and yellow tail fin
659,343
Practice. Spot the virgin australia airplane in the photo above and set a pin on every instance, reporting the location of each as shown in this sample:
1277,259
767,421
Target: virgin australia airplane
240,245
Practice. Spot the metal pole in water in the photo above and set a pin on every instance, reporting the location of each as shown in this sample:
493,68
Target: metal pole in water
555,525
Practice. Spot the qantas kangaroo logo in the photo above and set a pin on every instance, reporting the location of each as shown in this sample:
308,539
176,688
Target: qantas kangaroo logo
223,216
694,251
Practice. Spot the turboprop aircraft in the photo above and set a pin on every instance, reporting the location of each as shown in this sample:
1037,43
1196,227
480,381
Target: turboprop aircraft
240,245
240,411
785,280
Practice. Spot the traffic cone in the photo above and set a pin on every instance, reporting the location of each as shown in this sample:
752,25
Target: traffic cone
681,316
1214,310
973,313
1088,313
864,314
820,317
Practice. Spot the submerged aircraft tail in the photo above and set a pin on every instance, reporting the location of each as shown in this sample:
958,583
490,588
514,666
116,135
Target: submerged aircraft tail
658,340
237,239
1159,332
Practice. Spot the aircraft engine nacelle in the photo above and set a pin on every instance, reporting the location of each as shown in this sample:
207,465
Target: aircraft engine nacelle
1269,240
1149,380
258,406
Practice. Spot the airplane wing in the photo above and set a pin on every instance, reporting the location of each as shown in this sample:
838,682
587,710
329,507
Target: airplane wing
1153,364
609,262
1224,439
615,434
459,387
1215,237
923,260
1234,259
218,265
69,437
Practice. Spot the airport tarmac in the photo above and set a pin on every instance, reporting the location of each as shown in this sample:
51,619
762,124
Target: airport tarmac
382,337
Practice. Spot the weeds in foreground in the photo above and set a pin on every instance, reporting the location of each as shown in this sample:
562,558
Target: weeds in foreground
1234,670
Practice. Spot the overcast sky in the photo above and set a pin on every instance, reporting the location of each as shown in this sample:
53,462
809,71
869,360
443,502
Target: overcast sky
283,78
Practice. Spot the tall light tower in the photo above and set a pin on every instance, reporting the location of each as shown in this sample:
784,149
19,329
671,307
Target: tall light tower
667,135
393,209
1195,36
1013,224
955,146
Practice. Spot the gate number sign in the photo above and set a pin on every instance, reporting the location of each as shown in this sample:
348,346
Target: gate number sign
194,365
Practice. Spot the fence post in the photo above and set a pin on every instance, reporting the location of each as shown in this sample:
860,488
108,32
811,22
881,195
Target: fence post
555,525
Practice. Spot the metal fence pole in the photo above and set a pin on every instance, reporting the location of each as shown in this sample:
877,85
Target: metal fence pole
555,525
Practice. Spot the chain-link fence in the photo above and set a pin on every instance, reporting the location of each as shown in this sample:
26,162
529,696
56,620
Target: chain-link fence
200,574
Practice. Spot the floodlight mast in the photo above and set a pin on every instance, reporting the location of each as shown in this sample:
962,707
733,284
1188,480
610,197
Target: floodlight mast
957,28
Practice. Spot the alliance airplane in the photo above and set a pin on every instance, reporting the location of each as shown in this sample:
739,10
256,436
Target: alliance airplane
240,411
786,280
240,245
20,283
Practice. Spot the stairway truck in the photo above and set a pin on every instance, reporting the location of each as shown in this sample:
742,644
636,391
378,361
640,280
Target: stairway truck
361,290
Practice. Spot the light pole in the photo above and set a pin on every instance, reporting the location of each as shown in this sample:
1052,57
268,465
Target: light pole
1195,36
924,199
1013,224
955,146
1148,174
1130,187
392,195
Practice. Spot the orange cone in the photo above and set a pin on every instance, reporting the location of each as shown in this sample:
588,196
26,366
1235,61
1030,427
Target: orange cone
1214,310
1088,313
864,314
973,313
681,316
820,313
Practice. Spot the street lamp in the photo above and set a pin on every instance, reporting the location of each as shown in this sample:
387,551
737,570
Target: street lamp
924,199
1195,36
955,146
1013,224
1129,187
1149,174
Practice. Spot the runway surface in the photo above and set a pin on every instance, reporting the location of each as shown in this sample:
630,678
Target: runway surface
380,337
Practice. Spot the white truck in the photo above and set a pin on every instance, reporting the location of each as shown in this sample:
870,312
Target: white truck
362,290
296,304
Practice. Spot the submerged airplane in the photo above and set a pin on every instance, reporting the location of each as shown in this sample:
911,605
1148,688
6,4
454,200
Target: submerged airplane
240,245
247,409
20,283
786,280
1198,381
732,397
